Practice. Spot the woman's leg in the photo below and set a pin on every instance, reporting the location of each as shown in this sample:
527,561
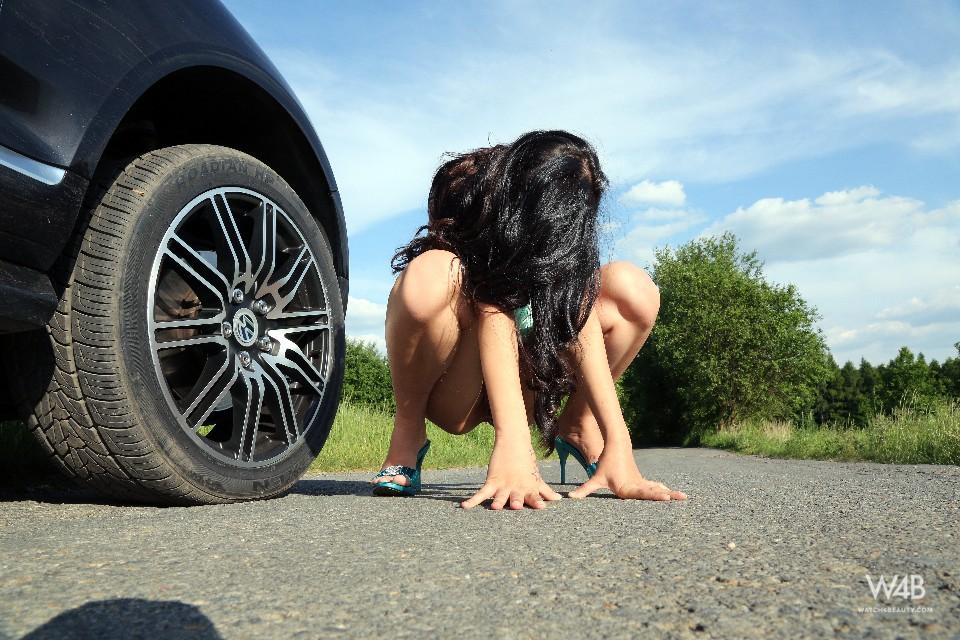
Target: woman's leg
433,354
627,306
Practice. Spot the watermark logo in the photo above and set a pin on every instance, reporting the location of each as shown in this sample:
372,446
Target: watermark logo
907,588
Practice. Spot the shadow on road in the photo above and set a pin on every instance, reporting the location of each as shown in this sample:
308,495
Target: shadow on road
52,490
128,618
363,489
62,491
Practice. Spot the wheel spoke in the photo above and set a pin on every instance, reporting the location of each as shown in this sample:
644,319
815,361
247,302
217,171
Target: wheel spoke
300,328
285,288
282,407
199,269
218,376
189,323
246,413
291,357
194,341
229,241
321,316
264,249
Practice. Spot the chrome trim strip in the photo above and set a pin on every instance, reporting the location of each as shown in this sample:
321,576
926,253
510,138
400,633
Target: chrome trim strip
31,168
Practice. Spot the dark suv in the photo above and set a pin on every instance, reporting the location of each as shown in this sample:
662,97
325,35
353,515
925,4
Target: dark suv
173,253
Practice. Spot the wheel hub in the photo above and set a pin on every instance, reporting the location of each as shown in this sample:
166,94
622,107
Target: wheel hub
246,330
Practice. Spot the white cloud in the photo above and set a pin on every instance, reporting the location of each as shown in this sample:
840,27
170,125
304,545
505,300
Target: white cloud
835,224
669,192
652,228
365,311
939,306
849,196
365,320
882,269
376,339
896,87
879,342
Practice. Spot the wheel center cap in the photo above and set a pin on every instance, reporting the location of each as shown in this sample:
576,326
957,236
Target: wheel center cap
245,327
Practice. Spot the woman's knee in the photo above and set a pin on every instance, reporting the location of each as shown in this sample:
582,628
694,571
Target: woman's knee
636,296
428,285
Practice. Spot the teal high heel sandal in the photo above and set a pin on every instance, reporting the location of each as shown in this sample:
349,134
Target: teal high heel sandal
412,476
565,449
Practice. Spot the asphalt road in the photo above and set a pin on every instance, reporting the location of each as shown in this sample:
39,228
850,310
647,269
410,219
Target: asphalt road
763,548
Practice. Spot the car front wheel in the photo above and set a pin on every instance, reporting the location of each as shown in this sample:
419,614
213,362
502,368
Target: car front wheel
197,353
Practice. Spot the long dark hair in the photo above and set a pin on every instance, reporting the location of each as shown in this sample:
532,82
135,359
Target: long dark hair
522,218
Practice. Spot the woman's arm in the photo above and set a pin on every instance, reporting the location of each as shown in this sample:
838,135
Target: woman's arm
617,469
512,477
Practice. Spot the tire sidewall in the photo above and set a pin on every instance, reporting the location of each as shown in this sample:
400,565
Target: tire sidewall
212,168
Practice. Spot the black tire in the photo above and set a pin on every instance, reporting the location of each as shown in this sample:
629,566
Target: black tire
110,409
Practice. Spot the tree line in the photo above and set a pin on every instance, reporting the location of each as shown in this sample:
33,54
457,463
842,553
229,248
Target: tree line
852,395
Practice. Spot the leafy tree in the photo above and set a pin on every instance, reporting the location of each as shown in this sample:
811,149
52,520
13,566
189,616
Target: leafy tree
871,383
366,379
907,378
728,345
855,408
826,408
949,375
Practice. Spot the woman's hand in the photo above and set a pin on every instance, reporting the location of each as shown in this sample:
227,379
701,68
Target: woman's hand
512,477
617,471
513,480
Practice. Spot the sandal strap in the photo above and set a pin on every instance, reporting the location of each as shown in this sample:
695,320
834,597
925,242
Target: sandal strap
397,470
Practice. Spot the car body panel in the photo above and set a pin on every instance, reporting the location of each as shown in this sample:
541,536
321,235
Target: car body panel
71,71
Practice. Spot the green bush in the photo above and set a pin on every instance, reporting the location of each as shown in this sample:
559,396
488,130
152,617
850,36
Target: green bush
366,378
728,346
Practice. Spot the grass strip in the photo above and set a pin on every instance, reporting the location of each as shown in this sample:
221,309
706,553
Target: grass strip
909,436
360,437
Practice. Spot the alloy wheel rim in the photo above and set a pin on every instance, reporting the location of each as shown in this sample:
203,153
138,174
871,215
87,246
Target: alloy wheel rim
239,324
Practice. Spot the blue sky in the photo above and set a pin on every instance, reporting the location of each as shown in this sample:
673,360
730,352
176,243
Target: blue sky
826,135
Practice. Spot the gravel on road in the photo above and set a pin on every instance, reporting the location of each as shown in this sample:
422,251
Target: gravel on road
763,548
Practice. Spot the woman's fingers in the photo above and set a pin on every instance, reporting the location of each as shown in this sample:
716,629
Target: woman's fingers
547,493
648,491
503,497
674,495
500,499
534,500
481,495
587,488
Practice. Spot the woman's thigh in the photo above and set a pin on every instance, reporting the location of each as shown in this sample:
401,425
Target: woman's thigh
455,401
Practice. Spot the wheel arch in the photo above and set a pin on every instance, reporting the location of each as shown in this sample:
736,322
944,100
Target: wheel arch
216,105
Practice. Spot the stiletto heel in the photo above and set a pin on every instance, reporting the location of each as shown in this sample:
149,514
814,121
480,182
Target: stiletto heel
565,449
412,476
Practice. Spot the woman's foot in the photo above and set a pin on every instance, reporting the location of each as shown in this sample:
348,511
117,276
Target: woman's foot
588,440
405,442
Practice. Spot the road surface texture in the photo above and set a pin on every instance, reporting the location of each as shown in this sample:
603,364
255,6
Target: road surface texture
763,548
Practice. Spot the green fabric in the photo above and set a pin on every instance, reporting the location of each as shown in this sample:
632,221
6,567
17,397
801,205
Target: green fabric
523,316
